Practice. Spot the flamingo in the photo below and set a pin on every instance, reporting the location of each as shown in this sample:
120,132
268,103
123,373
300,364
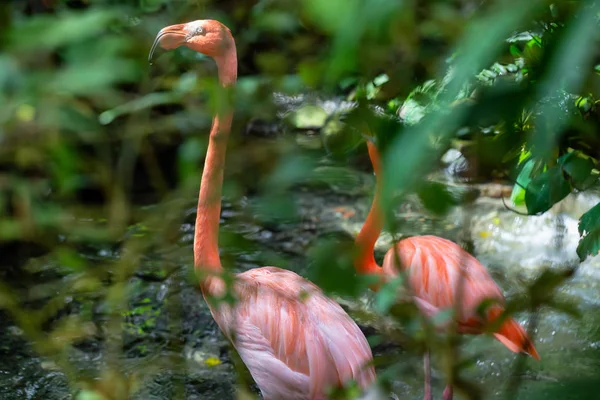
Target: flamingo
295,341
434,266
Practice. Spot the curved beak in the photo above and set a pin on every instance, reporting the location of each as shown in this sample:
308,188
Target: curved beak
168,38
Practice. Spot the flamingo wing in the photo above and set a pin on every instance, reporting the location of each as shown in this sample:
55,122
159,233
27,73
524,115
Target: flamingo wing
435,266
295,341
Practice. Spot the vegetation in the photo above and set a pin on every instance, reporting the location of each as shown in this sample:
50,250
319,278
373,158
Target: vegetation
101,155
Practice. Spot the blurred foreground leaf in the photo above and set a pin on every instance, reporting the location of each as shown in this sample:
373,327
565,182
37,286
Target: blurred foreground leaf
388,294
436,197
589,230
545,190
518,193
90,395
48,32
331,267
579,168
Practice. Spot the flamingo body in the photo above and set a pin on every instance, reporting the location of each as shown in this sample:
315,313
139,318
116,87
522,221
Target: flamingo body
295,341
434,266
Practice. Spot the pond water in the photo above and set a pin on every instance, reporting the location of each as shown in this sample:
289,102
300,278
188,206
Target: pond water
190,358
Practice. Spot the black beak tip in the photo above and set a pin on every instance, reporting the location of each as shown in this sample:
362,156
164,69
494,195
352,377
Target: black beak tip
151,57
155,45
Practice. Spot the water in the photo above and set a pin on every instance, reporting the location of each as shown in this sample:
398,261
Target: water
194,359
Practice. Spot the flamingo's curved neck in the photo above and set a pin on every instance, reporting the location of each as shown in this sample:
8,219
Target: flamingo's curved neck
364,262
206,237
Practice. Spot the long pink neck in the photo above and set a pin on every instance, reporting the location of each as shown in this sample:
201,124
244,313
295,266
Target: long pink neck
365,263
206,238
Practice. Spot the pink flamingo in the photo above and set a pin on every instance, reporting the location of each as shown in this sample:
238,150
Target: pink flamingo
434,267
295,341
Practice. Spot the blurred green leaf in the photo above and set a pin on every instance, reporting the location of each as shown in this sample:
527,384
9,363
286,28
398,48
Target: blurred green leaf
563,73
565,306
84,79
339,178
307,117
292,170
70,259
381,79
152,5
275,207
479,44
276,21
190,156
47,31
518,193
542,290
436,197
545,190
331,267
387,295
579,168
589,230
148,101
90,395
589,220
443,317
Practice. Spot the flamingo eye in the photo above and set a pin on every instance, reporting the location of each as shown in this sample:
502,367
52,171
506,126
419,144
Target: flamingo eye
196,31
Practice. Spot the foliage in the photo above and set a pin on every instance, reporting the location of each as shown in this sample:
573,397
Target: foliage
589,229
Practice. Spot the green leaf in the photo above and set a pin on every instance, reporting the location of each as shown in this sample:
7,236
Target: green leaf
50,31
589,229
331,266
381,79
545,190
276,21
590,220
293,170
70,259
386,297
563,73
189,155
339,178
514,51
579,168
309,116
584,104
82,79
138,104
542,291
479,46
589,245
436,197
275,208
90,395
518,193
566,306
151,5
443,317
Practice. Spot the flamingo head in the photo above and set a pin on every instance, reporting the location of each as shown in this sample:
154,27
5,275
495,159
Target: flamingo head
206,36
